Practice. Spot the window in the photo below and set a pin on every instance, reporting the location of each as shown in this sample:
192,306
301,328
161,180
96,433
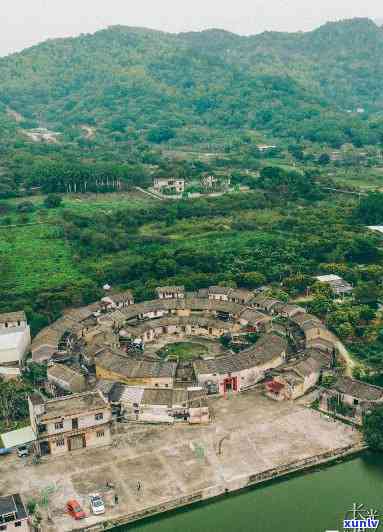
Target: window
3,527
356,402
100,434
156,384
18,523
166,385
59,425
99,416
60,443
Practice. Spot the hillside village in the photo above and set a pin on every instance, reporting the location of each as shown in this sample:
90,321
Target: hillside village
107,368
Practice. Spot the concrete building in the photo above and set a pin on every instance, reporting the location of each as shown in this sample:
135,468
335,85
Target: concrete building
70,423
170,292
13,514
15,338
172,185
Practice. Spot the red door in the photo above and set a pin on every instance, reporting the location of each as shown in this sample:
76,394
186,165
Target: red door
230,384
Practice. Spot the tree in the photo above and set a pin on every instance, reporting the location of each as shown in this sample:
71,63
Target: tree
251,279
373,428
13,401
370,209
160,134
324,159
52,201
25,207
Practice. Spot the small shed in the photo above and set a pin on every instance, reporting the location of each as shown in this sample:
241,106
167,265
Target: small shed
18,437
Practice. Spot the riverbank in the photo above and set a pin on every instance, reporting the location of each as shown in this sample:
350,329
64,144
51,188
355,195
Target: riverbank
235,486
312,502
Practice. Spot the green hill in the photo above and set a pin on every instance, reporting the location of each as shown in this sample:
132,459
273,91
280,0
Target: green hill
137,89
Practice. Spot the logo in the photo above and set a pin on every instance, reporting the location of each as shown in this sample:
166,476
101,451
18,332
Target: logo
359,519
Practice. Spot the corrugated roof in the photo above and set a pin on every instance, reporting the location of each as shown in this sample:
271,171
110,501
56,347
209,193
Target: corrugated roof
18,437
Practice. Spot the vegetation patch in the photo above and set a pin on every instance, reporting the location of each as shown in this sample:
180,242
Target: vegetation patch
183,351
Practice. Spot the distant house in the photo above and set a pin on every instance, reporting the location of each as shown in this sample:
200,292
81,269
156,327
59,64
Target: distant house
15,338
266,147
171,185
70,423
338,285
350,399
13,514
170,292
219,293
117,300
211,182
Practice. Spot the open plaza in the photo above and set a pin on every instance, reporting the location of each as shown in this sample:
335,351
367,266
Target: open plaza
149,466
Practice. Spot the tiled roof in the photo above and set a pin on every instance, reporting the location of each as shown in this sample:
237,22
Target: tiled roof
358,389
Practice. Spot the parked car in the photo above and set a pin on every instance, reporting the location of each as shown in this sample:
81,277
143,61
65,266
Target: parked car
22,451
74,509
97,504
5,450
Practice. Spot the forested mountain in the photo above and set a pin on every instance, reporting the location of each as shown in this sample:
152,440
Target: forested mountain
118,93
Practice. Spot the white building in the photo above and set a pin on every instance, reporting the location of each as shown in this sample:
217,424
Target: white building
170,292
175,186
338,285
15,337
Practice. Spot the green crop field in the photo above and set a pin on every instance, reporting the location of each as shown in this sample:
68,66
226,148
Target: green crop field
35,257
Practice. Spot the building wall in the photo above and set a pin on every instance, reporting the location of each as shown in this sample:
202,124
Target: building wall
245,378
93,438
19,350
219,297
199,415
23,527
84,421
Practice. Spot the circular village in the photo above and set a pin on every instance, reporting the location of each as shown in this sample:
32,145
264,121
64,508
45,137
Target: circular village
158,404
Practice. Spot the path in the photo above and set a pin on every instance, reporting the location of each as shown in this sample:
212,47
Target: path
350,363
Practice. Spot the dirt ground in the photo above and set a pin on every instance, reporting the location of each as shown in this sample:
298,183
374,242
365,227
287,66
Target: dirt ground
249,434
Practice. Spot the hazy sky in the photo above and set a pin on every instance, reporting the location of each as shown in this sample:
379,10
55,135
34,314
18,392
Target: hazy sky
27,22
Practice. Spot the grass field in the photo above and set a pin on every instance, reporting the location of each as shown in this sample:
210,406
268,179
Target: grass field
36,256
184,350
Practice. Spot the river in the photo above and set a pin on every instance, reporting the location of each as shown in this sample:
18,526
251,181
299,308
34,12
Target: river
316,501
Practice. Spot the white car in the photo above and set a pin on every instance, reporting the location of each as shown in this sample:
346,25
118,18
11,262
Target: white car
97,504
